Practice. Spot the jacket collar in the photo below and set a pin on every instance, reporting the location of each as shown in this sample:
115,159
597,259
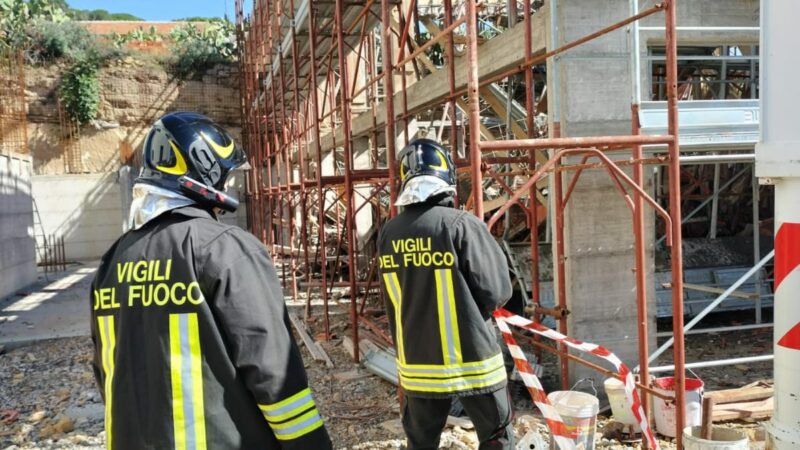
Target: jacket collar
195,211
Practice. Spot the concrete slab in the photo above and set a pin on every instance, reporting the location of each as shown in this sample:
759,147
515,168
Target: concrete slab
50,309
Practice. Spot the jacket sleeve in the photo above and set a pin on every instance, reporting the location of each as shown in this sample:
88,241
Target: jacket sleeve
247,300
483,264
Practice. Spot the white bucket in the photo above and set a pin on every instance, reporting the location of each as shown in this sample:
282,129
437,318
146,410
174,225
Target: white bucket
721,439
621,410
579,411
664,413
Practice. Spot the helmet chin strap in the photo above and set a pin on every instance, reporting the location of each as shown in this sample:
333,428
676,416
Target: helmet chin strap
207,195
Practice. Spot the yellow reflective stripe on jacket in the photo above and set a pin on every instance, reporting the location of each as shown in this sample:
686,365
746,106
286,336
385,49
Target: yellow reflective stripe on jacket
448,320
288,408
454,384
186,373
396,295
108,341
453,370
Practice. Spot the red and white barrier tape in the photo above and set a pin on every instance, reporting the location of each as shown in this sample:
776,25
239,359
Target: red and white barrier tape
551,416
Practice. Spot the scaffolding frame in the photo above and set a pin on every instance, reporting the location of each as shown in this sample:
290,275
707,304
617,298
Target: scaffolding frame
299,78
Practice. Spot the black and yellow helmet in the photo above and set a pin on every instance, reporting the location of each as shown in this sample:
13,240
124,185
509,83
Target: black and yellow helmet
426,157
188,153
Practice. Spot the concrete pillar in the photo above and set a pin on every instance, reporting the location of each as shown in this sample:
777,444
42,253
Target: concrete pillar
592,86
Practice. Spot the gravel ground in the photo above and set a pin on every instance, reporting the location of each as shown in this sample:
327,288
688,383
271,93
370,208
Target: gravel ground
48,398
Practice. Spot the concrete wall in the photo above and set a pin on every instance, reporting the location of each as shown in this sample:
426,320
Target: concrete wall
91,210
85,209
17,246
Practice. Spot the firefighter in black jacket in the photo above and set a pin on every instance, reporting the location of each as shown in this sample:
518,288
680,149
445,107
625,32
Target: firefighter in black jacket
443,275
192,343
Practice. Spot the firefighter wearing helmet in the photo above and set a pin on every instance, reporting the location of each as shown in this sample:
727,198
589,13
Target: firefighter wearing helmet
443,274
192,345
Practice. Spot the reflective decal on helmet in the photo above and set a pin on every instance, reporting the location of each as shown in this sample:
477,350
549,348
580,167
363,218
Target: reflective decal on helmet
223,152
180,164
442,165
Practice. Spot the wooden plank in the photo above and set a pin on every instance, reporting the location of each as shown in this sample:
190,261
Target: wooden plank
760,409
741,394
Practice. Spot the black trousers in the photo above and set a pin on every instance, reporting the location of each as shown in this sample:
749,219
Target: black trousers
425,418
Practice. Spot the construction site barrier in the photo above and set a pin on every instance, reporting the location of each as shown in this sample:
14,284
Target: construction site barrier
561,435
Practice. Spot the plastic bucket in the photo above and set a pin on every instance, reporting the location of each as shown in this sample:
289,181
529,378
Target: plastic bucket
721,439
621,410
578,410
664,413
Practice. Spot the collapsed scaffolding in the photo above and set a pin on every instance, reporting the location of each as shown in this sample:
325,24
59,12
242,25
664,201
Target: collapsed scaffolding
331,90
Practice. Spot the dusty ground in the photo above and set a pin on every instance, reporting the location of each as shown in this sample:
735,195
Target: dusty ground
49,387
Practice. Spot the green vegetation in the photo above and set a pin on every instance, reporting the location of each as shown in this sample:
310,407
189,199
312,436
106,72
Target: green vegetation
138,35
17,17
79,90
47,32
197,51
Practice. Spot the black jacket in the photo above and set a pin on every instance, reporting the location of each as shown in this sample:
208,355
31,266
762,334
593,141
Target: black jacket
443,274
193,348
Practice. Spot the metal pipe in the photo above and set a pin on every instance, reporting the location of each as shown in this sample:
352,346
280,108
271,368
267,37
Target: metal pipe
756,242
473,102
561,283
348,156
451,80
670,21
533,213
717,363
388,95
640,268
707,29
314,96
720,329
712,232
717,159
577,142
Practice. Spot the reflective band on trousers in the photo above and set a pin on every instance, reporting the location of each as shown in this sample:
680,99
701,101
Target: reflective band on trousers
396,295
293,417
188,414
448,320
108,341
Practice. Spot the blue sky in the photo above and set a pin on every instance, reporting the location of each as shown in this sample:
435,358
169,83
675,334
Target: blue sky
160,10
